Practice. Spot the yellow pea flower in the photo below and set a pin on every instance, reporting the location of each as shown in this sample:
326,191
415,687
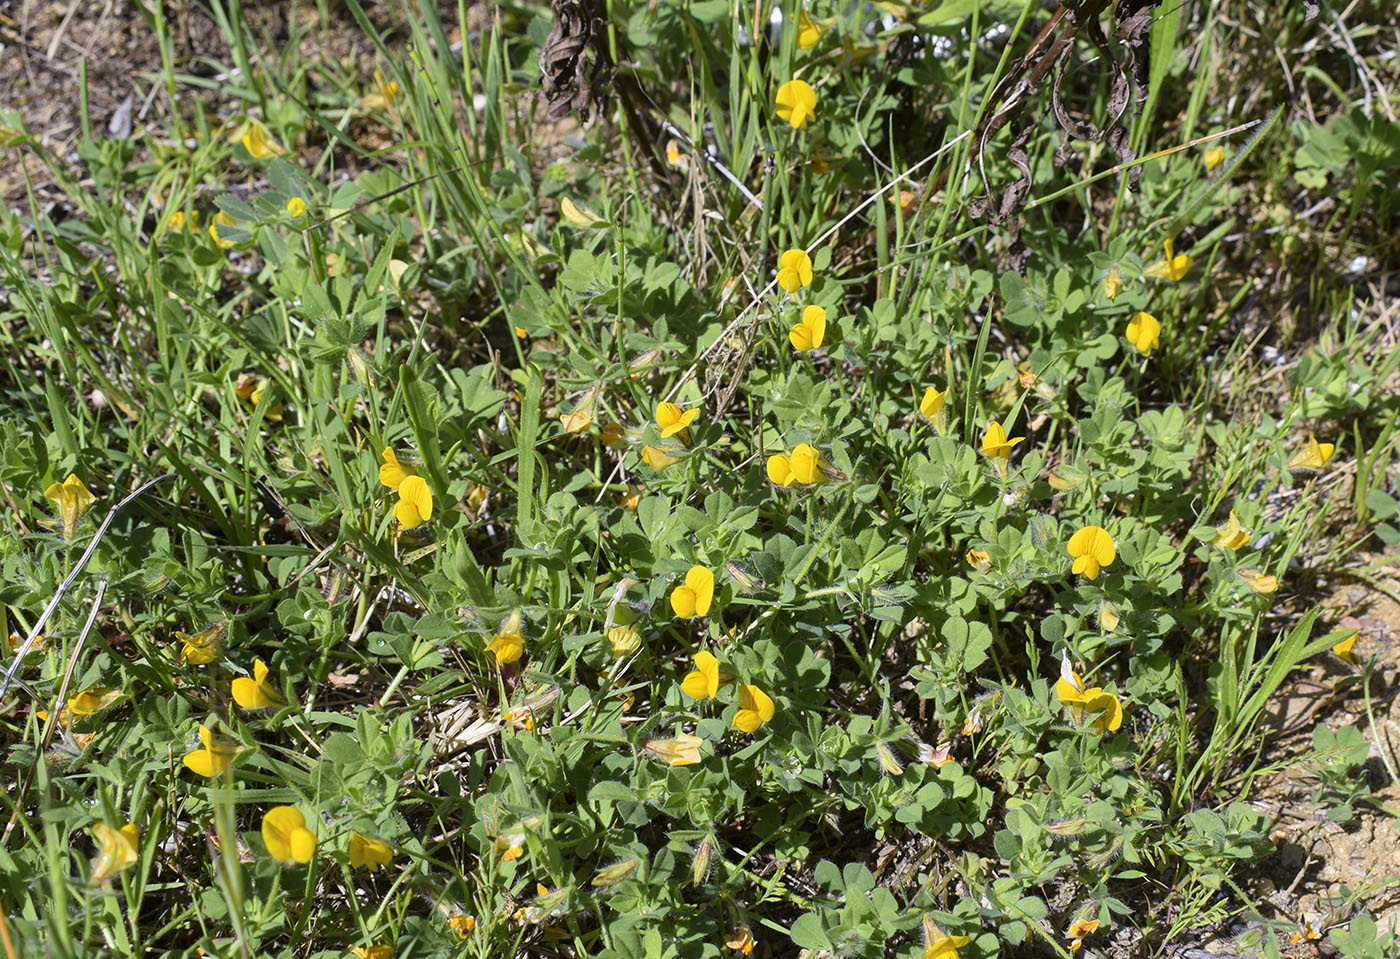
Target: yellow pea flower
1144,332
251,388
658,459
203,647
675,422
1314,457
1213,157
997,446
259,145
684,750
393,471
1105,708
117,849
809,333
694,597
213,759
369,853
176,220
1305,932
380,951
1344,649
1230,536
675,158
92,700
1108,616
931,408
462,924
1093,549
978,560
1112,283
803,465
808,33
509,643
794,270
415,506
1171,269
296,206
256,693
1080,929
285,834
755,708
938,944
797,103
576,422
624,640
703,683
72,499
1259,581
221,219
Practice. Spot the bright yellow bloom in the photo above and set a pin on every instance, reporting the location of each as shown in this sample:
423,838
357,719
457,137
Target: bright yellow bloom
509,643
675,422
258,144
251,388
415,506
755,708
296,206
931,409
703,683
1344,649
380,951
1144,332
1103,706
213,759
684,750
1108,616
221,219
808,33
978,560
369,853
803,465
797,103
256,693
1113,283
741,939
1230,536
576,422
624,640
581,217
794,270
1259,581
939,945
117,849
809,333
1092,549
203,647
1079,929
675,158
1213,157
1314,457
72,499
1305,932
285,834
462,925
658,459
695,596
393,471
996,446
1171,269
177,220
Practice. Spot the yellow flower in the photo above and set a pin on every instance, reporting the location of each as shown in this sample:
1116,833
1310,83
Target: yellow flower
1259,581
694,598
978,560
576,422
72,499
213,759
203,647
393,471
285,834
797,103
1344,649
415,506
1079,929
1144,332
1314,457
1103,706
385,93
117,849
809,333
296,206
1112,283
1092,549
755,708
684,750
1305,932
675,422
1171,269
803,465
462,925
369,853
251,388
1230,536
658,459
675,158
380,951
931,409
703,683
258,144
939,945
256,693
996,446
177,220
222,219
1213,157
1108,616
794,270
741,939
508,644
808,34
625,640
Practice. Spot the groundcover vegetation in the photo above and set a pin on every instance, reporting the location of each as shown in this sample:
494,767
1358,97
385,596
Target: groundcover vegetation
687,479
